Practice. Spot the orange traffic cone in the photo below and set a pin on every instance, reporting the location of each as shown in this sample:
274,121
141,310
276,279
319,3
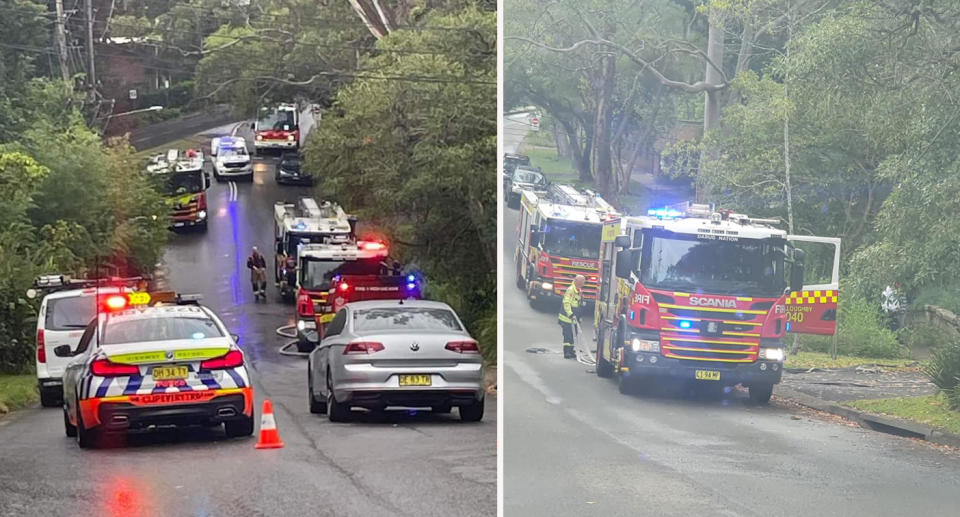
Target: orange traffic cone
269,437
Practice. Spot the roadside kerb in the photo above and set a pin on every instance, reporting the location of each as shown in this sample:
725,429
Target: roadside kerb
881,423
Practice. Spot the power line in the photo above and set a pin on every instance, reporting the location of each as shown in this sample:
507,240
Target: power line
350,75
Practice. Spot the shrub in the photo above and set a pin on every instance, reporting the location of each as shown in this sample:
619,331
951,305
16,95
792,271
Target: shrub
920,336
860,332
944,371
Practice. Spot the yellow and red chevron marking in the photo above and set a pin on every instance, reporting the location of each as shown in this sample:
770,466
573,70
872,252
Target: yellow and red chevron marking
803,297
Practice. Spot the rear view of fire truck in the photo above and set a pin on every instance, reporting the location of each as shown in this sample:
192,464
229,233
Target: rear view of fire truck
332,275
306,222
691,294
559,238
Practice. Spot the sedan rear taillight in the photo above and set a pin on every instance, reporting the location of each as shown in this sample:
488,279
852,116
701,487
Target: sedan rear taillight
107,368
463,347
41,349
362,347
233,359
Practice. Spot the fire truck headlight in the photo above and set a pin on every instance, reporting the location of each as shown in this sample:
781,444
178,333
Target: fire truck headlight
202,214
644,345
301,325
546,286
290,138
772,354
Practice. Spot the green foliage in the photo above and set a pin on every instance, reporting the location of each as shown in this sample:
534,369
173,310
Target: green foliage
417,159
860,332
17,391
69,204
944,371
919,336
293,49
932,410
945,296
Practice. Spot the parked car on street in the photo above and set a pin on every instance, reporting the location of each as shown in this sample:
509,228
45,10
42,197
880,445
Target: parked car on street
396,353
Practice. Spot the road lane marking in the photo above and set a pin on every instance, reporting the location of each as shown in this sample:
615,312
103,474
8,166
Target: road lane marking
233,191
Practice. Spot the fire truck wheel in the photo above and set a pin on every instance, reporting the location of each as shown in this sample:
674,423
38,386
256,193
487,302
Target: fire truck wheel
760,393
604,368
519,276
628,385
305,346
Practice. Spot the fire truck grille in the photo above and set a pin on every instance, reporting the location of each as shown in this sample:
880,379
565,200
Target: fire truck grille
564,275
693,313
721,350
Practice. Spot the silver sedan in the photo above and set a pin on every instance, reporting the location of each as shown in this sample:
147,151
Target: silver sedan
392,353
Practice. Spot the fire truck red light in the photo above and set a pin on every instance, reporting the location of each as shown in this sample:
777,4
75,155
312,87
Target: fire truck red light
116,302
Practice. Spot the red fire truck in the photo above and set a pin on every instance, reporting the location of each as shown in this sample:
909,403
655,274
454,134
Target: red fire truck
277,128
693,294
332,275
558,238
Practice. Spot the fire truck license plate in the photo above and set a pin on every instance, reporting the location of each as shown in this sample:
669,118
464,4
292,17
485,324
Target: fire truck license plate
415,380
164,373
707,375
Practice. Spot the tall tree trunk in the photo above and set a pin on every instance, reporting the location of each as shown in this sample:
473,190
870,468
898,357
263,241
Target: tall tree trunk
603,163
711,111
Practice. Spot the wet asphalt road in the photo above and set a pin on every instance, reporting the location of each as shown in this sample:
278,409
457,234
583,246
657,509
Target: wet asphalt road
573,445
398,463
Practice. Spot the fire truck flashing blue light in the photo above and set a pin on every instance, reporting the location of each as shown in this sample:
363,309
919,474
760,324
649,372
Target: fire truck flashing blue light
664,212
685,324
411,278
301,225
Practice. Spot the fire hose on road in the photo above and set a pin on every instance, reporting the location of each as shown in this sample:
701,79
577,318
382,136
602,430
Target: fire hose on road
285,331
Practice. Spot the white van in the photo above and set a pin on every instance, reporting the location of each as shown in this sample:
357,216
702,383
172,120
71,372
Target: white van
62,319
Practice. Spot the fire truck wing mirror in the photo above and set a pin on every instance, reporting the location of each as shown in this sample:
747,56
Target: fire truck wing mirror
253,125
796,276
624,263
535,237
622,241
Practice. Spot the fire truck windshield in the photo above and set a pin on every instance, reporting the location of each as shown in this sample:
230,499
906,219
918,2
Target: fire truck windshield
185,182
317,275
276,120
686,263
573,240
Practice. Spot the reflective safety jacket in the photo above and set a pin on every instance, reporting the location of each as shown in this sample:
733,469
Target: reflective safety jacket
571,304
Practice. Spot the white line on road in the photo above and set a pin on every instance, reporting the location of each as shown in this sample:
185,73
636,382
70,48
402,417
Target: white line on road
233,191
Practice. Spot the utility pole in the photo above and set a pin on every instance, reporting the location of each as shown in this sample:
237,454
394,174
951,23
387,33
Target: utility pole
62,43
92,69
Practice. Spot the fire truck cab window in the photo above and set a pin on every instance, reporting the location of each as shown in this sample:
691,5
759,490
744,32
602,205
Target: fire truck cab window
686,263
186,182
317,275
277,120
569,239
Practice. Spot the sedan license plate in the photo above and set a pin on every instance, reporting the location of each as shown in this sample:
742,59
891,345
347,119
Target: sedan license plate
707,375
166,373
415,380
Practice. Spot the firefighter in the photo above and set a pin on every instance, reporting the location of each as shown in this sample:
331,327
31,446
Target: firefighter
570,315
258,273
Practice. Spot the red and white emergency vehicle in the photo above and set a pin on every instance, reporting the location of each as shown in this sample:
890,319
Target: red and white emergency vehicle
305,222
694,294
558,238
332,275
276,128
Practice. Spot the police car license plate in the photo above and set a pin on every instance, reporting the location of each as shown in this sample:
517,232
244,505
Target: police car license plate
707,375
166,373
415,380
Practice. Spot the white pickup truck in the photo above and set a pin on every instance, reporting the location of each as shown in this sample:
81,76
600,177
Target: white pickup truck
230,158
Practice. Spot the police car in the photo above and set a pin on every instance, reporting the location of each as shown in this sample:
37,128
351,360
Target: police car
230,158
155,359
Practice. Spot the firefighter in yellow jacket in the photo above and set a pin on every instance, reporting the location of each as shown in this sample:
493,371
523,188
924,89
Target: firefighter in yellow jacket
570,313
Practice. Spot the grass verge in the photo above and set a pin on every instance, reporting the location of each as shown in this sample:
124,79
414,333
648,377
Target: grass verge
823,360
929,409
17,391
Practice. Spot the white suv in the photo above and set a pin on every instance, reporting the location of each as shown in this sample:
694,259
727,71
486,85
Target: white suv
230,158
62,318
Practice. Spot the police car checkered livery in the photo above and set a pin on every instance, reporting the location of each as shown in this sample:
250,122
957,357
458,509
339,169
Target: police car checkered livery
138,366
